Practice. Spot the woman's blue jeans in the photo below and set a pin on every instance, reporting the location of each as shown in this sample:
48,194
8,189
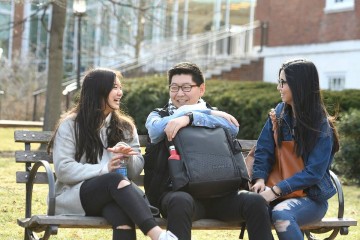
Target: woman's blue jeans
289,215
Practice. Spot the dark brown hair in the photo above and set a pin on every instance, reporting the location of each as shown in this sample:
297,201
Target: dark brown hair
89,116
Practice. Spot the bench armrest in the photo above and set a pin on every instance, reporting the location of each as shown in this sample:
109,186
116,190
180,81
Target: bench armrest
30,184
340,194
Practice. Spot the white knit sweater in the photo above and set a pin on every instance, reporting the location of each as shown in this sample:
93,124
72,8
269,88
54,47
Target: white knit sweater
70,174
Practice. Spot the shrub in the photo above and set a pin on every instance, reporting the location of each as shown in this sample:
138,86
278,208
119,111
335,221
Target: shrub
338,102
141,97
248,102
347,160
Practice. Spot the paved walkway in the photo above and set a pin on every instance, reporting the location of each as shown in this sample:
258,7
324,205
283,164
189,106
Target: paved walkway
16,123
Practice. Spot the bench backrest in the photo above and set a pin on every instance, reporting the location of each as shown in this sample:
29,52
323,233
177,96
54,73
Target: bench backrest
30,156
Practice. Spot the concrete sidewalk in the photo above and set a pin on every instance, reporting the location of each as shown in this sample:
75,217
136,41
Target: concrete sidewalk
16,123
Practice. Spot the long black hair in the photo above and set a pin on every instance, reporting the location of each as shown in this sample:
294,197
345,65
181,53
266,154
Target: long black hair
89,116
309,110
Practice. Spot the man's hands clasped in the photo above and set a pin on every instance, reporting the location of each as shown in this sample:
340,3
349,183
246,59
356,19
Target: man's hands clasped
225,115
176,124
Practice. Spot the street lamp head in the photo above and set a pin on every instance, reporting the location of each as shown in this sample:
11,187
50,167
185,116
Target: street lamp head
79,7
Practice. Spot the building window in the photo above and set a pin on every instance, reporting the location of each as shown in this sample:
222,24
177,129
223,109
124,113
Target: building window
336,83
339,6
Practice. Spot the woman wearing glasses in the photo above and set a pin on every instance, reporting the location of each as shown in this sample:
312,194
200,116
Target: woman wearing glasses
303,119
187,108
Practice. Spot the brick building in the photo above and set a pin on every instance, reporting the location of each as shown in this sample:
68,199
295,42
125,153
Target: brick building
326,32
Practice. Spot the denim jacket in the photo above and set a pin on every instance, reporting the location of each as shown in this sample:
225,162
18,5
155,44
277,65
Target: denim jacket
315,178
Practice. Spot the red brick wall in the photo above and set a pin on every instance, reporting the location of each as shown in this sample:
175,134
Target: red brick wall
246,72
299,22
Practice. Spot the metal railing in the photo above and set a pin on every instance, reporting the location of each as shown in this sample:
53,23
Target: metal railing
210,51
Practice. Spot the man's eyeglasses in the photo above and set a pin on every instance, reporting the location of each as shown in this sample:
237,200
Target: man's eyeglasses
184,88
281,82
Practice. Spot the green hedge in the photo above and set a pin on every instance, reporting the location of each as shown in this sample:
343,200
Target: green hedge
347,160
249,102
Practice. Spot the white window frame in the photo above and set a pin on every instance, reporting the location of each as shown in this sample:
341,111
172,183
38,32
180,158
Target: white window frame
336,81
333,6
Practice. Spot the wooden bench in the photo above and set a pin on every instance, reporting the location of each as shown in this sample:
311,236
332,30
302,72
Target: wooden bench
49,223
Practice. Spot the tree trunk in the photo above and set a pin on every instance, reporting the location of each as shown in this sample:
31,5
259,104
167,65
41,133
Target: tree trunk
140,28
55,70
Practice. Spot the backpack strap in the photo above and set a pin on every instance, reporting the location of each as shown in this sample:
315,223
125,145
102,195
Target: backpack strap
156,179
163,112
211,107
242,232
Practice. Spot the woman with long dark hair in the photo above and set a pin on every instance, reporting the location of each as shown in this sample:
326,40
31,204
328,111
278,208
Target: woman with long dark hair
303,119
88,145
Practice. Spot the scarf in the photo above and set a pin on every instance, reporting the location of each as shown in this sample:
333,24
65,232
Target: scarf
201,104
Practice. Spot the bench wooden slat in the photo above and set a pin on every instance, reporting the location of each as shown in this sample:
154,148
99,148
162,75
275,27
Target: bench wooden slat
45,136
247,144
331,222
23,177
41,178
38,222
33,136
32,156
143,140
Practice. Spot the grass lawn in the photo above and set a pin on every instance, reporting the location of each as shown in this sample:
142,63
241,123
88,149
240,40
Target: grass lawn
12,205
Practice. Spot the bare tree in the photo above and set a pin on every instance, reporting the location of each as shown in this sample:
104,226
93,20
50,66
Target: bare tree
142,9
19,79
140,29
55,71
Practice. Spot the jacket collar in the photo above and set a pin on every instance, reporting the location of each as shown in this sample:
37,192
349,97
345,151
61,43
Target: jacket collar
107,120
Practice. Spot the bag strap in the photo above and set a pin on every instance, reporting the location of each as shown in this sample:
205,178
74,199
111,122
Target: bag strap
163,112
274,119
154,210
242,232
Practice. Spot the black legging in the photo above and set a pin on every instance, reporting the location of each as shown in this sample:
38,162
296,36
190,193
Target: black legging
181,209
100,196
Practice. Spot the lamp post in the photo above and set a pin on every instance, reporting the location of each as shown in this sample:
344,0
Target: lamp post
1,93
251,21
79,8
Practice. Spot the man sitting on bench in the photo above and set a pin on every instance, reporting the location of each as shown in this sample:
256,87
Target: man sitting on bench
186,87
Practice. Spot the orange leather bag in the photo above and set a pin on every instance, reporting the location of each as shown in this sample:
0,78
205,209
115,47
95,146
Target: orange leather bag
287,163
